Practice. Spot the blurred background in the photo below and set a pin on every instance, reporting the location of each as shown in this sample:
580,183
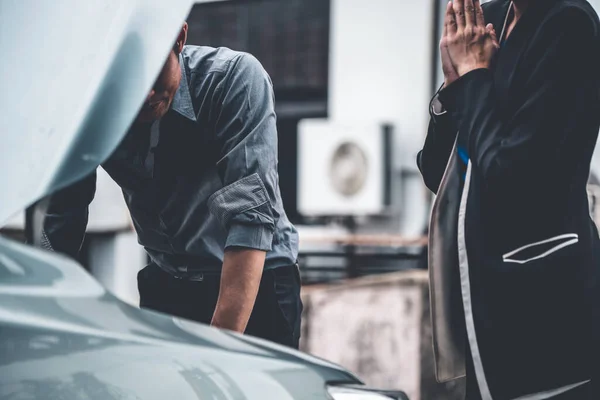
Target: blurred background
352,80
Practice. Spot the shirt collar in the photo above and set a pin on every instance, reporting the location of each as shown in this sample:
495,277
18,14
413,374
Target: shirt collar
182,102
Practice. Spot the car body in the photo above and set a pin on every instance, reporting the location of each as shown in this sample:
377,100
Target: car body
62,336
74,75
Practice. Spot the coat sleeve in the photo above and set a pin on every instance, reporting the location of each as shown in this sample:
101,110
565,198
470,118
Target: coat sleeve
66,218
546,115
441,134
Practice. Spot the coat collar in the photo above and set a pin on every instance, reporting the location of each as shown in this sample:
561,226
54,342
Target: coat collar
507,60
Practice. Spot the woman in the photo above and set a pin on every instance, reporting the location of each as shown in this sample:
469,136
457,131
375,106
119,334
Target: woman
514,255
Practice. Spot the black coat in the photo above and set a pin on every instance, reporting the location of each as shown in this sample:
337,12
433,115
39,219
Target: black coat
514,254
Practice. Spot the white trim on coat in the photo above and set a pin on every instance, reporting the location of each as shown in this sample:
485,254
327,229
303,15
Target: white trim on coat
465,285
573,239
552,393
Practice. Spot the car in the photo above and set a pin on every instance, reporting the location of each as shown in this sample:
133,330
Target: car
74,76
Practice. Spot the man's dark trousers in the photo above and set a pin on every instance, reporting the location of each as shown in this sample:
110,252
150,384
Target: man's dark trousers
275,317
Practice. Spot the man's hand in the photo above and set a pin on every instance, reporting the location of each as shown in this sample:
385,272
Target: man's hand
240,280
450,74
471,44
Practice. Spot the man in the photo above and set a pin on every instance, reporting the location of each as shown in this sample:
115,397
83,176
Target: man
514,254
198,170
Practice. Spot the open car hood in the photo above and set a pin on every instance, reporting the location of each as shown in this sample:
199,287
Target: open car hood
74,75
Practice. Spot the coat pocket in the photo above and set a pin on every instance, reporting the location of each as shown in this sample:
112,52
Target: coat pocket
536,322
538,250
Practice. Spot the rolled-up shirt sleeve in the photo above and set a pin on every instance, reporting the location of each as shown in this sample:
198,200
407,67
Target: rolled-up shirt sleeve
246,139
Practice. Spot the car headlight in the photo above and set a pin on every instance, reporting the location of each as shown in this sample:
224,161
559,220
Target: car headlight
359,393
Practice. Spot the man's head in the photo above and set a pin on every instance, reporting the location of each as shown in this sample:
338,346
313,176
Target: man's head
159,99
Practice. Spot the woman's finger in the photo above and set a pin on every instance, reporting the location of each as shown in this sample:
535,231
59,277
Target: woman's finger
479,18
492,32
450,21
445,28
469,14
459,13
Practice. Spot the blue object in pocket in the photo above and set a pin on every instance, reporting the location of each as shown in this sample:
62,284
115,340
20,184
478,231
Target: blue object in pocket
464,157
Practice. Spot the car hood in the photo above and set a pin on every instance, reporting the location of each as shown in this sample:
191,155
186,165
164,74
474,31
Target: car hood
74,75
46,292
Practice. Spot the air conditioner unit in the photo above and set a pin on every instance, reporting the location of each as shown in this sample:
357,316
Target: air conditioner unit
344,168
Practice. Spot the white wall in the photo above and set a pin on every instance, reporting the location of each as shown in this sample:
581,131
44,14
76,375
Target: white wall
115,261
596,159
108,211
380,66
380,70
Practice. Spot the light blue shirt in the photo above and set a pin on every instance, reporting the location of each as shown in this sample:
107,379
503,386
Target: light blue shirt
202,179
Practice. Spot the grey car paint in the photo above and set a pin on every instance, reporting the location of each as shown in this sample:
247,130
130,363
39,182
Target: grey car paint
63,336
73,77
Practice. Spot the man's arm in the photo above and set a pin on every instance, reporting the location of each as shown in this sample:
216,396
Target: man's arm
66,217
240,280
246,137
548,113
441,134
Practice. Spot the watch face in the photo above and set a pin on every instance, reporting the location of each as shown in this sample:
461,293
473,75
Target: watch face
348,169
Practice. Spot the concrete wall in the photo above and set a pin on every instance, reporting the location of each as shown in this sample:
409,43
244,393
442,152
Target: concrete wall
379,328
115,261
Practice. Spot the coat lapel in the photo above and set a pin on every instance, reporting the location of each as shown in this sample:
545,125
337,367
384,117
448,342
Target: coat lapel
447,316
506,63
